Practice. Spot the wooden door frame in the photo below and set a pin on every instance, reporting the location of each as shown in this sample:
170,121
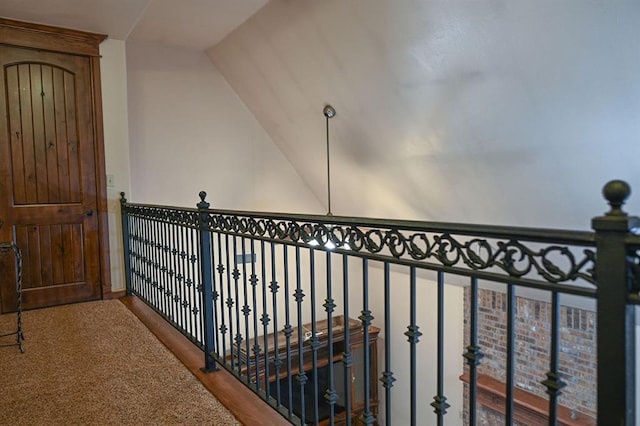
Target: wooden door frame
73,42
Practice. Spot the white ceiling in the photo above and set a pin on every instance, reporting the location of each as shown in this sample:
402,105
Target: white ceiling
194,24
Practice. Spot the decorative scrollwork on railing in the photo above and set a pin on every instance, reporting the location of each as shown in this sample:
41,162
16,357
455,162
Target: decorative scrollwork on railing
512,255
515,257
175,216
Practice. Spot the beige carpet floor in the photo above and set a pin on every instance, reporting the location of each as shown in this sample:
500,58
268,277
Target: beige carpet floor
97,364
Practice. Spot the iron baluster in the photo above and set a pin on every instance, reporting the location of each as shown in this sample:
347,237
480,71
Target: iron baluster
177,277
366,318
163,281
511,317
173,273
144,227
157,277
168,293
256,344
288,329
142,287
223,327
142,264
553,383
346,356
387,378
246,309
301,376
182,280
229,302
236,302
174,277
330,395
175,300
413,334
153,265
265,318
195,290
141,261
186,280
273,287
440,404
314,334
129,252
473,354
134,253
148,274
215,296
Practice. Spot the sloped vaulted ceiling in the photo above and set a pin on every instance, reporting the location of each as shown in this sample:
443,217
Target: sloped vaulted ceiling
494,111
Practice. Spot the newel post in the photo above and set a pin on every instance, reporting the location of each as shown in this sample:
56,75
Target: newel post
125,243
615,317
206,265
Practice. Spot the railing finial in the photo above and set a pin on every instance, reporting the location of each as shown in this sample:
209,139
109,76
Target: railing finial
616,193
203,204
122,198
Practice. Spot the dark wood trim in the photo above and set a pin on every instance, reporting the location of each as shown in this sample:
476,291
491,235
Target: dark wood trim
101,174
529,408
45,37
248,408
116,295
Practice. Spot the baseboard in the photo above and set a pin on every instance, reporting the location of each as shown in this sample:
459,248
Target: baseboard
114,295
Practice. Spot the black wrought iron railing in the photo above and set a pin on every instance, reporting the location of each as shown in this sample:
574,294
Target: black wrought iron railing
337,320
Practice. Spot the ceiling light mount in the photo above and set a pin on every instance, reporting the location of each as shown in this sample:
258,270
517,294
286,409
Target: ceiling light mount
329,111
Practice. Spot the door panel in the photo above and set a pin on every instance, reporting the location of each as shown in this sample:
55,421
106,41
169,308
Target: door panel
43,134
49,196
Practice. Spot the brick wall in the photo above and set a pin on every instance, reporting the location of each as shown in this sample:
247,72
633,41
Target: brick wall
532,348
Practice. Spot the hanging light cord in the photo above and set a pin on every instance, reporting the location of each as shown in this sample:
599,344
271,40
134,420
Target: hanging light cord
328,172
329,112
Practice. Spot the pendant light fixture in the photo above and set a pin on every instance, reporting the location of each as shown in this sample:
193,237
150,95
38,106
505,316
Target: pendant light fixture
329,112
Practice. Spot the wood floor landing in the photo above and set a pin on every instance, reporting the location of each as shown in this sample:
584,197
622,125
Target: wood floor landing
246,406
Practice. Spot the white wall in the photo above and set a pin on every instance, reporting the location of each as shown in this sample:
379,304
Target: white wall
190,132
116,145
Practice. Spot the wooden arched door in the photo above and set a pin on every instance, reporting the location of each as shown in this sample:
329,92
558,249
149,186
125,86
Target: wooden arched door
49,197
